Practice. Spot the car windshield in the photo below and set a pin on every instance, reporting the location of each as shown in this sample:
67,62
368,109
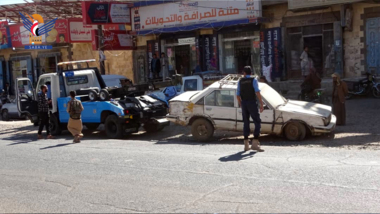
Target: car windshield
272,97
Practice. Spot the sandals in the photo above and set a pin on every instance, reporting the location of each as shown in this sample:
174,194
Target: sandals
40,137
50,137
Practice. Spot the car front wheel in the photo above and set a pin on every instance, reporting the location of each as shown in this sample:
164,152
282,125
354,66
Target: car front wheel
202,130
5,115
295,131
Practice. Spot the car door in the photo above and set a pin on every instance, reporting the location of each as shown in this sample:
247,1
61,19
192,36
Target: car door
266,120
220,105
26,98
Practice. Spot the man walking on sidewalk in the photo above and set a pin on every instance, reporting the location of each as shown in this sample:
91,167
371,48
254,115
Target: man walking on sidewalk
247,94
43,112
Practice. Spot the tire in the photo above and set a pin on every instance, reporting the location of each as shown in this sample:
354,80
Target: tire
93,95
104,95
92,126
295,131
202,130
5,115
376,92
55,125
114,130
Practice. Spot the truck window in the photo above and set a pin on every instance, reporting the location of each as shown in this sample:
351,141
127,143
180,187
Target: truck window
76,80
222,98
45,81
190,85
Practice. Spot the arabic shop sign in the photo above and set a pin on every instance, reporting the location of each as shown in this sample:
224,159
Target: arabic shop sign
113,40
184,13
300,4
106,12
79,32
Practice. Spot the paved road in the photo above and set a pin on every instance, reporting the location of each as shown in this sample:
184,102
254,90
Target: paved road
169,172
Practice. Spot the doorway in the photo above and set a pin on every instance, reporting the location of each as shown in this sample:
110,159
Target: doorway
242,54
182,59
315,51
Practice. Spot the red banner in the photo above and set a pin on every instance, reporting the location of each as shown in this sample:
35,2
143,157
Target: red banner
113,40
60,32
111,27
106,12
19,35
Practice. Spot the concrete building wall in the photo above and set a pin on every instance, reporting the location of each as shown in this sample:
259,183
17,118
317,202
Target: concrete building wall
117,62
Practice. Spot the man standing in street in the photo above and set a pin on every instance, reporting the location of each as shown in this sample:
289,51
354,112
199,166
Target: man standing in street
155,66
43,112
340,92
248,94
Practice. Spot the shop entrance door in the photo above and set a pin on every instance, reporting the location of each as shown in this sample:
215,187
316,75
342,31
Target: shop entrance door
373,47
182,59
315,51
242,54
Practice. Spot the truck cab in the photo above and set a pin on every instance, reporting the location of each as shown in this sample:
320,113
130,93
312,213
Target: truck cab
121,115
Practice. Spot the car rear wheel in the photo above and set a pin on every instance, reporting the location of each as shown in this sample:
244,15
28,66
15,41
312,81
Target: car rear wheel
202,130
5,115
113,129
104,95
295,131
93,95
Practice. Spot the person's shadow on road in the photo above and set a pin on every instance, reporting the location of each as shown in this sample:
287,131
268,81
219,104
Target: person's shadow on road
237,157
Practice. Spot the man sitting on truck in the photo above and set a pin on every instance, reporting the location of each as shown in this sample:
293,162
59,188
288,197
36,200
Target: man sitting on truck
43,112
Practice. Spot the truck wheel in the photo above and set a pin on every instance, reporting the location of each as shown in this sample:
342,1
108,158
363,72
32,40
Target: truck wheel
55,126
92,126
93,95
104,95
295,131
202,130
113,129
5,115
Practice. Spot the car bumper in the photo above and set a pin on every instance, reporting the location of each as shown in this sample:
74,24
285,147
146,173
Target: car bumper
176,120
326,129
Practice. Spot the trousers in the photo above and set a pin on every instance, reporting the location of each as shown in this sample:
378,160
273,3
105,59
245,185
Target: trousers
44,121
249,109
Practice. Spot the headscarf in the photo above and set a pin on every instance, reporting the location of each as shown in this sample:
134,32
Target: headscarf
337,78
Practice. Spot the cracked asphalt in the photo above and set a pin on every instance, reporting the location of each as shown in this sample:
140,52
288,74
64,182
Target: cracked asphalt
169,172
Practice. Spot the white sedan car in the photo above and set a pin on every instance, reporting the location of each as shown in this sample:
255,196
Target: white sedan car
216,107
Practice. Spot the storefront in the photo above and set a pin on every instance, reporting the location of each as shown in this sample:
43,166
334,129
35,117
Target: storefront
196,36
20,66
239,47
47,62
323,38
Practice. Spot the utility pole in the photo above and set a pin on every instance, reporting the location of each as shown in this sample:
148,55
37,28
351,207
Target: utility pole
100,36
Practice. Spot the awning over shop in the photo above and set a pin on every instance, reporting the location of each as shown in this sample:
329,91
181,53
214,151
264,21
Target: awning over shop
217,25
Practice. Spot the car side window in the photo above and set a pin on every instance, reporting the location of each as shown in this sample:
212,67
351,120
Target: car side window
222,98
200,102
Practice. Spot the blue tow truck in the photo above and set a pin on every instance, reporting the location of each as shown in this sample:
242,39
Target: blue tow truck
122,110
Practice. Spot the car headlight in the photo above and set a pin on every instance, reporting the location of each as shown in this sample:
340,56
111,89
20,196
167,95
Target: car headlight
327,120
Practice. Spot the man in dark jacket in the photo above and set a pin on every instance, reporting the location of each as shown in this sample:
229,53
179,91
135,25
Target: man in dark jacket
155,66
43,112
248,93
